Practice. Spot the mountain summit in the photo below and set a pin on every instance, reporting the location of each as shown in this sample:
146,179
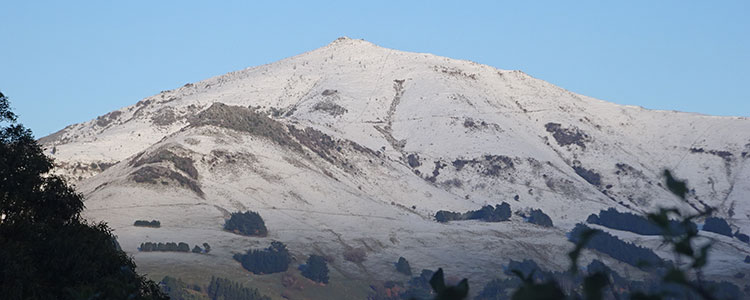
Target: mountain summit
355,146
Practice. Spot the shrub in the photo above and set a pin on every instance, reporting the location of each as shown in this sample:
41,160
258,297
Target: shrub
539,218
273,259
742,237
444,216
164,247
616,248
225,289
403,267
487,213
144,223
246,223
355,255
315,269
717,225
197,249
611,218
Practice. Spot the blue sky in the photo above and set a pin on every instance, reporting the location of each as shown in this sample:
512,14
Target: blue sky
63,62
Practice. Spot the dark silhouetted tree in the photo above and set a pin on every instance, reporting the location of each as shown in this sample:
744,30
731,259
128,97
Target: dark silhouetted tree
403,267
538,217
225,289
273,259
717,225
46,250
246,223
315,269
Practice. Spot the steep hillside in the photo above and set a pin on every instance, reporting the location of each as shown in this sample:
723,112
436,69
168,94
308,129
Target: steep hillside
357,146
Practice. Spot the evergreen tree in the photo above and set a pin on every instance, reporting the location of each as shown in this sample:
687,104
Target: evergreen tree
403,267
246,223
274,259
717,225
315,269
538,217
225,289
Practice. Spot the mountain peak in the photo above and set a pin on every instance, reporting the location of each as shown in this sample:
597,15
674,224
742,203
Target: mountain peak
346,41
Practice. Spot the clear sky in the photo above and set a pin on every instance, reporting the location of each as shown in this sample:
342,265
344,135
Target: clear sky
63,62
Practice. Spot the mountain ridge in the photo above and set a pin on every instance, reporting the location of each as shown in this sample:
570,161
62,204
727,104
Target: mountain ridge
352,145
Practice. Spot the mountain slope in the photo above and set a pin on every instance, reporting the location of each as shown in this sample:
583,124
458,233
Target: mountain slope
354,145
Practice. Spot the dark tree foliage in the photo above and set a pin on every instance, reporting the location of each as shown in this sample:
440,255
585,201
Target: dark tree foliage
315,269
403,267
419,286
46,250
197,249
666,280
176,289
626,252
538,217
487,213
717,225
527,268
246,223
742,237
169,246
144,223
225,289
273,259
611,218
445,292
444,216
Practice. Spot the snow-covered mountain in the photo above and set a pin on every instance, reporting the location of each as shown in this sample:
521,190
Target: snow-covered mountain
353,145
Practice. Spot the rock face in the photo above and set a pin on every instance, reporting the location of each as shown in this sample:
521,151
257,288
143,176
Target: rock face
354,146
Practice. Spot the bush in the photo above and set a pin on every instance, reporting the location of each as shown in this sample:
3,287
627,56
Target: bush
444,216
742,237
315,269
144,223
616,248
355,255
717,225
197,249
419,286
403,267
225,289
487,213
273,259
611,218
169,246
247,223
539,218
177,289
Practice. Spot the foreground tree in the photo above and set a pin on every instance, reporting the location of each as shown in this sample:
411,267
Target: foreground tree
46,250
